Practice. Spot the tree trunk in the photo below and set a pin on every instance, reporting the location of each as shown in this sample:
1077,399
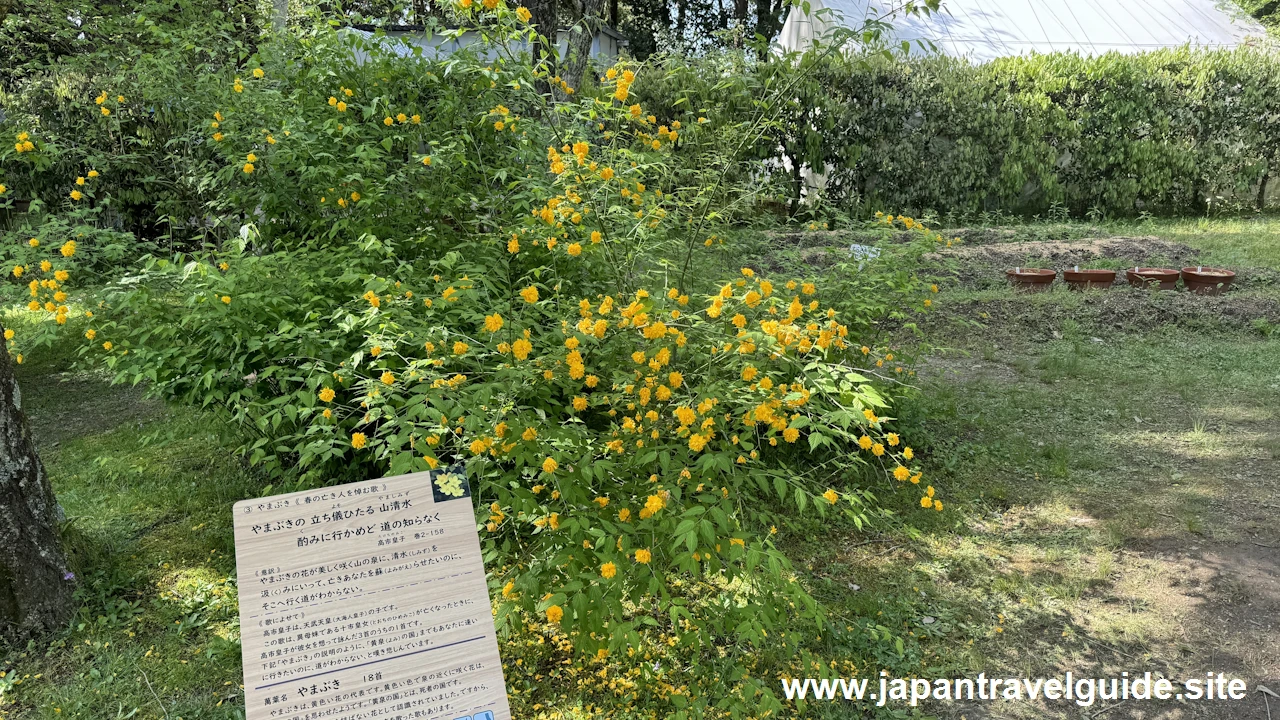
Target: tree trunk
581,36
35,585
1262,189
544,17
768,18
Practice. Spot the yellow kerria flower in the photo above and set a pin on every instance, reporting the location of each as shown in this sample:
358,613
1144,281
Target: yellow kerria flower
908,453
493,323
830,496
530,294
460,348
358,440
107,346
608,570
901,473
388,378
248,168
521,348
549,465
523,13
76,195
555,613
327,394
643,556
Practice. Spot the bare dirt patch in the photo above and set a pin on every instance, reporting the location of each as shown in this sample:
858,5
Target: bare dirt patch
1121,248
68,405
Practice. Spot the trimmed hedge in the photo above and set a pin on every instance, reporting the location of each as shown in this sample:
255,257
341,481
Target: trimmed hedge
1173,131
1168,132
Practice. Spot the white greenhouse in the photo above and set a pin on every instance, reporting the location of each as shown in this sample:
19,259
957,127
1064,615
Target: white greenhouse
983,30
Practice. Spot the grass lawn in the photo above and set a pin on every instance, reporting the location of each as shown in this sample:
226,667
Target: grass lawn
1116,461
146,490
1111,464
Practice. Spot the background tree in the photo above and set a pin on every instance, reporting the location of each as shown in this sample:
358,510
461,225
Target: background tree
581,35
35,585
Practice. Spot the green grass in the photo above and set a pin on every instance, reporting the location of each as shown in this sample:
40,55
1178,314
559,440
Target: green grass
147,491
1091,467
1090,449
1251,242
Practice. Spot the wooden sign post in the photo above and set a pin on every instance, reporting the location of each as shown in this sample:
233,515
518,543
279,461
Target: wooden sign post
367,601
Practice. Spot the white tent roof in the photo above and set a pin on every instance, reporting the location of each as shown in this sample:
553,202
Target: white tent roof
986,29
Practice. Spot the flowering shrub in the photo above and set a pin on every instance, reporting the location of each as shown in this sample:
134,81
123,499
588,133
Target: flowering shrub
457,272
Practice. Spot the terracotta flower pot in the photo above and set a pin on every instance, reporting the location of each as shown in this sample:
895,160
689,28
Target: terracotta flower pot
1089,279
1031,279
1162,278
1207,280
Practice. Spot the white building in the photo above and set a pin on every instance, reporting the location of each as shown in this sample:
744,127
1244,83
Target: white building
983,30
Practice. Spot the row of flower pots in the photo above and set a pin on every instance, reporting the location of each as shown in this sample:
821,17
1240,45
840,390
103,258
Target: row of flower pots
1199,280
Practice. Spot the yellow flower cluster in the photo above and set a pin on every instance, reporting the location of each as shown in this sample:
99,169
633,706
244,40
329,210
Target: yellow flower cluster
24,144
622,82
48,293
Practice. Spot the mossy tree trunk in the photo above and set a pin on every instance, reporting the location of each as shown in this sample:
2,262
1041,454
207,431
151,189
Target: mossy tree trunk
582,35
544,15
35,585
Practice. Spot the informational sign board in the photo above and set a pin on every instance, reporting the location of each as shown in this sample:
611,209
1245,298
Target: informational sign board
367,601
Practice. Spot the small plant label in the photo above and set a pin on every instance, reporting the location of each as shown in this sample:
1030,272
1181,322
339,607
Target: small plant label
367,600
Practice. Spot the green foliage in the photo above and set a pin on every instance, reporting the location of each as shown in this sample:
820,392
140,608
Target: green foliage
1172,131
395,263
